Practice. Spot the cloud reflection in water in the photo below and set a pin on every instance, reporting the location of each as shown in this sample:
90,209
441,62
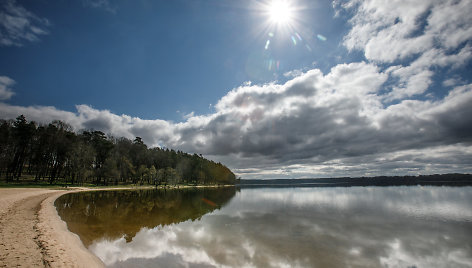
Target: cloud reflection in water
312,227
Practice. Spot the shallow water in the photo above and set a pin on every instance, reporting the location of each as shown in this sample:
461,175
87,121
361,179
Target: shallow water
276,227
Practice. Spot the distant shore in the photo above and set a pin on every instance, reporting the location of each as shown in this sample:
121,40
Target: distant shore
423,180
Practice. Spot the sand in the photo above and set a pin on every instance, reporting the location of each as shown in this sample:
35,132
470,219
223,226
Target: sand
33,235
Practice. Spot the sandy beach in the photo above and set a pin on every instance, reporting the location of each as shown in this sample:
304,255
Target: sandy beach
33,235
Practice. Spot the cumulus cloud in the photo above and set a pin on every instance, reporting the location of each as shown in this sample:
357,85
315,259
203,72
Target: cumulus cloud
5,87
316,123
453,81
388,31
433,33
18,25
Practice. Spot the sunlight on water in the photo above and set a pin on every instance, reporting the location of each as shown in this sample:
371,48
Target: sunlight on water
296,227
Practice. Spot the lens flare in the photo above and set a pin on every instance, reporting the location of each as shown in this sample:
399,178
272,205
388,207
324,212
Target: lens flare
267,45
322,38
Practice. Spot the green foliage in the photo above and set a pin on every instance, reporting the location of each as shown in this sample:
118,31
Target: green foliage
53,153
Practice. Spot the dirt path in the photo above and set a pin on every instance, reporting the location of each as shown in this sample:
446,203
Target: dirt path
33,235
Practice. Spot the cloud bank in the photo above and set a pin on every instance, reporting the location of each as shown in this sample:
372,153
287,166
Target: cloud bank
374,117
319,124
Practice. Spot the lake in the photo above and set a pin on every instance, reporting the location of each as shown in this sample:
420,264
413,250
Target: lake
406,226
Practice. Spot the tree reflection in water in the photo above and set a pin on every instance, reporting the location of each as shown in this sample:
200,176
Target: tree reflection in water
114,214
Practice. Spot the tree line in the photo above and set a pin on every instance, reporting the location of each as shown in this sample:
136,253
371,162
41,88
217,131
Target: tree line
56,154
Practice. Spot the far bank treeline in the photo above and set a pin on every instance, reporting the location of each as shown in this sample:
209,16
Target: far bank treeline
56,154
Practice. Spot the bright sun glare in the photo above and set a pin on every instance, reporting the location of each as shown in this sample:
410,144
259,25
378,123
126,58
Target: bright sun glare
280,12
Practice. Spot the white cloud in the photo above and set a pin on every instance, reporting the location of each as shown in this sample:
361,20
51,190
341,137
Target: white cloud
5,87
313,124
453,81
424,34
190,115
293,73
390,30
100,4
18,25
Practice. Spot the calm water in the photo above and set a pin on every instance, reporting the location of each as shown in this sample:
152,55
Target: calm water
276,227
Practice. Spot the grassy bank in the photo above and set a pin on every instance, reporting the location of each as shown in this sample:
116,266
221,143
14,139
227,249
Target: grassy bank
30,183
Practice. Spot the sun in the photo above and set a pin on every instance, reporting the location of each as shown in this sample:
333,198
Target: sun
280,12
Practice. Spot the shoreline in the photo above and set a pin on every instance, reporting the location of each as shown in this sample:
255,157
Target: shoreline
34,235
61,247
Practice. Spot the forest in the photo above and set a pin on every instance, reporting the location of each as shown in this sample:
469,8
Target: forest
56,154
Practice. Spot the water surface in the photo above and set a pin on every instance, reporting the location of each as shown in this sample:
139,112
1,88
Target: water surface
276,227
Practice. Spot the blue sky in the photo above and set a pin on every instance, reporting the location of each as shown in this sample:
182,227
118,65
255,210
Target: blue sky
153,58
331,88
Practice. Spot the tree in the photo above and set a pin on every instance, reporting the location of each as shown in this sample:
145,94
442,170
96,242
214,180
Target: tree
126,168
110,171
141,174
152,175
6,145
61,147
184,169
172,176
138,153
22,134
81,161
102,147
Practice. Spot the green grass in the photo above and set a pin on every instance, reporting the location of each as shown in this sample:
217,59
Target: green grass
27,181
32,184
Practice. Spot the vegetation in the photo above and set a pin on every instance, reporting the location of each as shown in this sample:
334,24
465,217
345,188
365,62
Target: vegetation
54,154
